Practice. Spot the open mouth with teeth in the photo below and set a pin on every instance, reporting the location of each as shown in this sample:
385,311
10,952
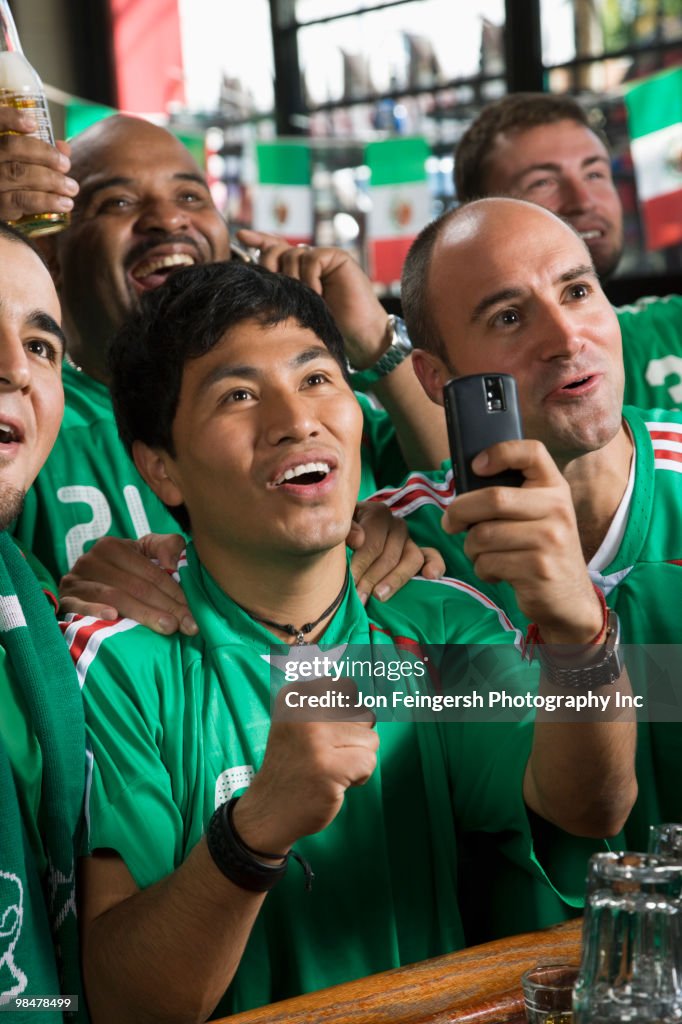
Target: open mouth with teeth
308,473
8,435
590,236
154,270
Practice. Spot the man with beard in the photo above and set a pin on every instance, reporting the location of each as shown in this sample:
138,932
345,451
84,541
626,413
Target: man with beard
143,210
544,149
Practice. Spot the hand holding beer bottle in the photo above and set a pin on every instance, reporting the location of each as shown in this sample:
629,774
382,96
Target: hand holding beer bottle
35,193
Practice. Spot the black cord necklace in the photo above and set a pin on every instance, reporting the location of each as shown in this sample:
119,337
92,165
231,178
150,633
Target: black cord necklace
300,631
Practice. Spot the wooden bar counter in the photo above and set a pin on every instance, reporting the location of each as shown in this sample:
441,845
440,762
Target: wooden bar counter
479,985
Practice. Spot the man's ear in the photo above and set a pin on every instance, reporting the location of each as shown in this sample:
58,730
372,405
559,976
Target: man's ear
156,468
432,372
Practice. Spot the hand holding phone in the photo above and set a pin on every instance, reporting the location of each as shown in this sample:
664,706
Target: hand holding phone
481,410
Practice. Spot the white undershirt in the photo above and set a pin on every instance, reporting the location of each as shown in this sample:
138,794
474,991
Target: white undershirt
608,549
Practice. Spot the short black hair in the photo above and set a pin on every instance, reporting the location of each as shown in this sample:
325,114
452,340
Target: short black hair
514,113
184,319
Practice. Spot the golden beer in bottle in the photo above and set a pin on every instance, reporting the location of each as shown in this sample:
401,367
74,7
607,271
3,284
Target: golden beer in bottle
20,86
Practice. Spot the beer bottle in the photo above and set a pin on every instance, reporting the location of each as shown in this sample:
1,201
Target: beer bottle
20,86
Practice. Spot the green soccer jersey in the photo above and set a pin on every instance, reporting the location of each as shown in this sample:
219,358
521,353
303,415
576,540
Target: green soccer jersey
652,352
89,487
643,584
178,724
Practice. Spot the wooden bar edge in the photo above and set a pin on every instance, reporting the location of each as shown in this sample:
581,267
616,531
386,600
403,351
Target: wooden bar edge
478,985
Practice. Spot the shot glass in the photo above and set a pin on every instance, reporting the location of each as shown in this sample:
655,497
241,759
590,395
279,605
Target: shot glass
548,993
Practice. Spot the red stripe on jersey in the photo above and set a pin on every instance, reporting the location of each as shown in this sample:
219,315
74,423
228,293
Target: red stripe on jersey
666,435
83,635
674,561
404,643
410,496
663,453
442,491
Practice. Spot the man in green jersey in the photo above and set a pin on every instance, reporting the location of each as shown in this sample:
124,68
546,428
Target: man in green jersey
231,394
522,298
42,732
544,149
143,209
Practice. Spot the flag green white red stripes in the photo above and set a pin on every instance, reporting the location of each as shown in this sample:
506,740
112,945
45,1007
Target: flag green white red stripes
654,109
401,203
283,197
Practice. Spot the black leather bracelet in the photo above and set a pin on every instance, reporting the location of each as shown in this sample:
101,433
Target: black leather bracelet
239,862
234,858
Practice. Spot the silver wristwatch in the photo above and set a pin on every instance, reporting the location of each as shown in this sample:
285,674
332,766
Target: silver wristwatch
399,349
602,671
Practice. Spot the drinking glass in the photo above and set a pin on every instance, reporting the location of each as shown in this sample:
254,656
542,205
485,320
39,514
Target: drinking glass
547,993
631,968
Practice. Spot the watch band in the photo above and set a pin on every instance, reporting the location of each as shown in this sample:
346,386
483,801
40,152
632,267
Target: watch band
602,670
399,349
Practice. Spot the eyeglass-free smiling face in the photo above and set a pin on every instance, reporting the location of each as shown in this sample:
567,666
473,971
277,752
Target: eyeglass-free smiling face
267,445
564,167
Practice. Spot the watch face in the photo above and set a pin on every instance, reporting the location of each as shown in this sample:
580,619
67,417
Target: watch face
401,335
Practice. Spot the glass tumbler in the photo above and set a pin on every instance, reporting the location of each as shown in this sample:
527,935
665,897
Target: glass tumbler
631,968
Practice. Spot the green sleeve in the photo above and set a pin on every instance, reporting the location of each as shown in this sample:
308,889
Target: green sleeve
130,804
382,459
487,762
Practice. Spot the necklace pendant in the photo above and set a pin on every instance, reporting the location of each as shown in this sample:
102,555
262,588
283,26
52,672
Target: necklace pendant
300,639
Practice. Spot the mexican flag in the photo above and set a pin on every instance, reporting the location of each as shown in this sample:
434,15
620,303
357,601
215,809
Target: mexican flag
283,197
401,203
654,109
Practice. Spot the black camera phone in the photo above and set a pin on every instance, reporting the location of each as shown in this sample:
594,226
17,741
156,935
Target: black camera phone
481,410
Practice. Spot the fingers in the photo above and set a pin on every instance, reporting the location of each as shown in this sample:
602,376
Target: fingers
306,263
33,177
165,548
385,557
528,503
117,574
356,536
399,562
76,606
434,564
531,457
381,551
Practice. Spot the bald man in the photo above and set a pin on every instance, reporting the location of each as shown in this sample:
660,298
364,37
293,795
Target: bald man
504,286
543,148
141,209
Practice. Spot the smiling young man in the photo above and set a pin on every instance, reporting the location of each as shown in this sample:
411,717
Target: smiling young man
543,148
42,740
503,286
230,390
142,209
